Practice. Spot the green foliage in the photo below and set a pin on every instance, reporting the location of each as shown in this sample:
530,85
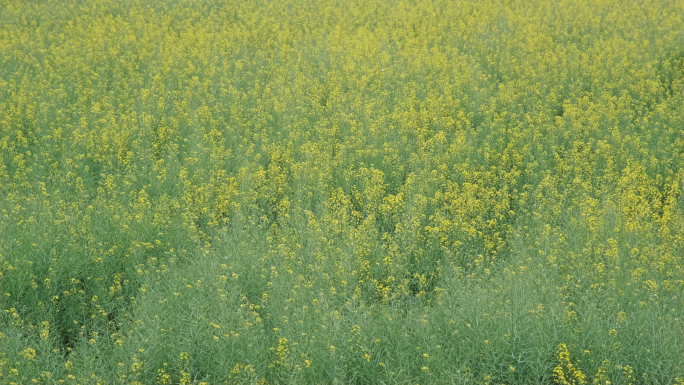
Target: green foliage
197,191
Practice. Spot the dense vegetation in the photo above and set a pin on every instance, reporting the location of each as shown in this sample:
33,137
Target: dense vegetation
318,191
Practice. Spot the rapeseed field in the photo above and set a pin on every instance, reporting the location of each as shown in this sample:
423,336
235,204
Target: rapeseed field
341,192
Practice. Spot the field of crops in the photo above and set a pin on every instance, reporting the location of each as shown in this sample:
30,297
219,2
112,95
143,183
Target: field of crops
351,192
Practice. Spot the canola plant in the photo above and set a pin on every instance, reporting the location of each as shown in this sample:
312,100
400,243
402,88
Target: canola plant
315,191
